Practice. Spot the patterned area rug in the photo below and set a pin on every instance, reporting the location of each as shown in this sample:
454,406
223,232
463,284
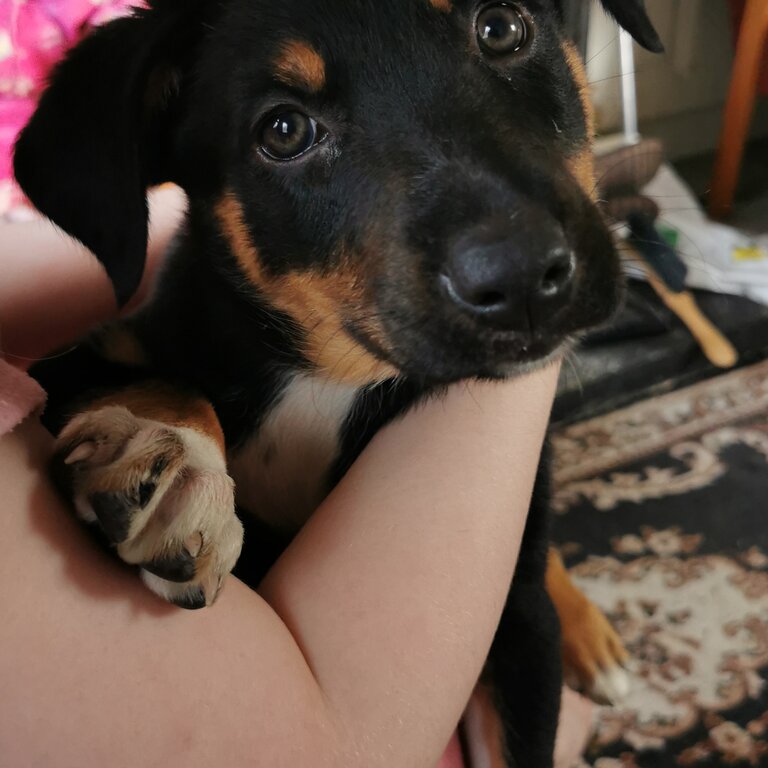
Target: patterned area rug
662,516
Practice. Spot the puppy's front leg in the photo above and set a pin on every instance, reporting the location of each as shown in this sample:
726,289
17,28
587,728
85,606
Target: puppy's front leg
593,654
147,465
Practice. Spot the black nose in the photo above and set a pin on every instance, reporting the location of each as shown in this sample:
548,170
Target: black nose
512,274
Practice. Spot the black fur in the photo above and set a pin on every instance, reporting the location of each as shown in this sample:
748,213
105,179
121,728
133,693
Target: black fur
631,14
426,138
106,138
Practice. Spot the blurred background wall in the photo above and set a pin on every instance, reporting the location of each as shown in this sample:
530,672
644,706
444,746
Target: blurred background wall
680,94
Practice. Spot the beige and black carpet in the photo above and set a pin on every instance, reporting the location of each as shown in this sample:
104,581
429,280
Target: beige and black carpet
662,516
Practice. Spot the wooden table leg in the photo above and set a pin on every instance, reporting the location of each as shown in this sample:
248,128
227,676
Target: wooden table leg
739,106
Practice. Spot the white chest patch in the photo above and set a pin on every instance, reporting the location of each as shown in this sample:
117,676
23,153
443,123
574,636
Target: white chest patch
280,472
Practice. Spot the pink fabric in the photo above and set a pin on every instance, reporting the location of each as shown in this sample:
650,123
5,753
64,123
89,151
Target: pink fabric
34,34
452,757
19,397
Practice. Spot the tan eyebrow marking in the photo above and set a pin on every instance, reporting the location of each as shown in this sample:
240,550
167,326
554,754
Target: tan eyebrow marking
444,6
299,64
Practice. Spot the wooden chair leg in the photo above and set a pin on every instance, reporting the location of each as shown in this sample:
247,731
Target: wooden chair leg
739,106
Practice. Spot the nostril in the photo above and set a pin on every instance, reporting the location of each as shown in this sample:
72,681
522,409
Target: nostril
489,299
558,275
468,289
465,292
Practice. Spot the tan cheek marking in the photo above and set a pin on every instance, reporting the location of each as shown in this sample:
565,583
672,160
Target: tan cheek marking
299,64
582,164
160,402
315,302
444,6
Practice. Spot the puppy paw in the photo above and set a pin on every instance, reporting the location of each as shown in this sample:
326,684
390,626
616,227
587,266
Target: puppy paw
593,655
161,495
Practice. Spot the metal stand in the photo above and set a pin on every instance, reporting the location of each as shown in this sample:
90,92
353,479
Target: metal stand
628,88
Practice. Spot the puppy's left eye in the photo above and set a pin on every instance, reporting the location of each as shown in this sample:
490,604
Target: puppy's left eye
288,135
501,29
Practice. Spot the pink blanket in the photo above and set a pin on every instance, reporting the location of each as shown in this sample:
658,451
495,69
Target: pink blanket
34,34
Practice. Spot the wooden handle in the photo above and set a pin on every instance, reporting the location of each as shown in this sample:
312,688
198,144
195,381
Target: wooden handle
718,350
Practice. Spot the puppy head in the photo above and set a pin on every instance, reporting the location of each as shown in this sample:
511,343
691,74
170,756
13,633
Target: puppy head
409,183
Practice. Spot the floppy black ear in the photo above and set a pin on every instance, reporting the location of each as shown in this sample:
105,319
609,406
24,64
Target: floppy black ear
631,14
100,137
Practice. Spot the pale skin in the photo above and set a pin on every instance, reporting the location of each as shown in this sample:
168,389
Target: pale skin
364,642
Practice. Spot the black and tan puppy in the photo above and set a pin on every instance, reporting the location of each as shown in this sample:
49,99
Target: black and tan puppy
384,197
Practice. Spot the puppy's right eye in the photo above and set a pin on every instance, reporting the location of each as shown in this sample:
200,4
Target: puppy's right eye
501,29
288,135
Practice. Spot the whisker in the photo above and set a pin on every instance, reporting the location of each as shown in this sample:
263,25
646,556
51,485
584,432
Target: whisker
611,42
570,359
45,359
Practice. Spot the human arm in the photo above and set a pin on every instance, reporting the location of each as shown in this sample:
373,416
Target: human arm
52,289
362,649
368,635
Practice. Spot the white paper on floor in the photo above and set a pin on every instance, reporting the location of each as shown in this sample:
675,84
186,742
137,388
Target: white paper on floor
718,257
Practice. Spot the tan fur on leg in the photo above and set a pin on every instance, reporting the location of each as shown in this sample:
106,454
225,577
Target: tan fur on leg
593,654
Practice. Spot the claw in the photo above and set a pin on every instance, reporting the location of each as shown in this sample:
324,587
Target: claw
194,544
83,452
611,686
